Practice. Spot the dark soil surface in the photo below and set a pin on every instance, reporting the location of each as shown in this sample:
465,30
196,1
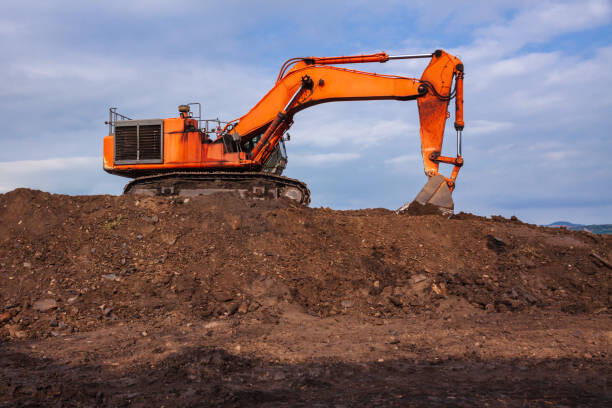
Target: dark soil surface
140,301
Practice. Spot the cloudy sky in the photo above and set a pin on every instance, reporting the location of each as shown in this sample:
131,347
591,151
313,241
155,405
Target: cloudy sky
538,105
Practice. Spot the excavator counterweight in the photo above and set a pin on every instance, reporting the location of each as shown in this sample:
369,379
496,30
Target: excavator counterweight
189,155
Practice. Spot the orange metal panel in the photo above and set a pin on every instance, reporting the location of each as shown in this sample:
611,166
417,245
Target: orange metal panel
109,152
433,111
173,134
182,150
215,152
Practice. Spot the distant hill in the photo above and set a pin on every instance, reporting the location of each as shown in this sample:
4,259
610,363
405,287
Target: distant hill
594,228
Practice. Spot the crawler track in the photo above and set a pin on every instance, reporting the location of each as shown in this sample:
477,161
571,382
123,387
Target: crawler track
250,185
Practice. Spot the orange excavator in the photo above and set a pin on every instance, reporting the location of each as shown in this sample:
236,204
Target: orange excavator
189,156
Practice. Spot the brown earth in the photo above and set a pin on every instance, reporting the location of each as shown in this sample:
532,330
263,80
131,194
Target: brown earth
216,301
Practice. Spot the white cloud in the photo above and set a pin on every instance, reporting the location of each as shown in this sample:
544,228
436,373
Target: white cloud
11,28
322,159
560,155
488,127
84,76
339,125
399,160
73,174
405,164
14,168
484,74
535,25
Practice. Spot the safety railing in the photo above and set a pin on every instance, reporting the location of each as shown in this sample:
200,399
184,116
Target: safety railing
212,126
113,117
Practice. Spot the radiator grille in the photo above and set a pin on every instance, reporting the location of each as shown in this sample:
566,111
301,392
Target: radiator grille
126,143
138,141
150,142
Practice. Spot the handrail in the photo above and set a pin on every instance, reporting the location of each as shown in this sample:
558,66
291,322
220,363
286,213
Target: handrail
113,117
212,129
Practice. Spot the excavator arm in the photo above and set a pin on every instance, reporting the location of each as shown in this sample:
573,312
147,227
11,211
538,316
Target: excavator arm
312,81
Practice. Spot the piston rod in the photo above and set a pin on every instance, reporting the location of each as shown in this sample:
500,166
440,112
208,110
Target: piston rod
459,143
413,56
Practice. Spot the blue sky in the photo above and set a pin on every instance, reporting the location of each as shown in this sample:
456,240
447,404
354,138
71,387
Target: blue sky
538,107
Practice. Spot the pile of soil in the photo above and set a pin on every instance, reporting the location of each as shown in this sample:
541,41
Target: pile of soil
84,261
76,265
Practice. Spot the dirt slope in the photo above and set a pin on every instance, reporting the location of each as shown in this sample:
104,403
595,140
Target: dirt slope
78,270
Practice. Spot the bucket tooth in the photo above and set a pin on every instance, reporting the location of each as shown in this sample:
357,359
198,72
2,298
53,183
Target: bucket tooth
434,198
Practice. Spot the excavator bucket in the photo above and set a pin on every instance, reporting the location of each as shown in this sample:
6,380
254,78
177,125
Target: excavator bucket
434,198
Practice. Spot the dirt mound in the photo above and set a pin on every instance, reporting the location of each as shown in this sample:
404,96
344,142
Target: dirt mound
140,301
76,263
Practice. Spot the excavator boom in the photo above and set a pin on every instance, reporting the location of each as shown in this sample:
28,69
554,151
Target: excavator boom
249,143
